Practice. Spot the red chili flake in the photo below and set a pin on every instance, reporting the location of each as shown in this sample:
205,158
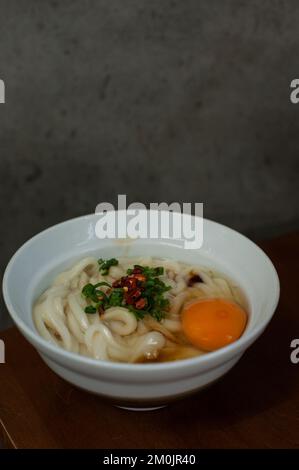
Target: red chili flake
129,299
133,288
117,283
129,282
101,310
141,303
194,279
137,271
140,277
136,294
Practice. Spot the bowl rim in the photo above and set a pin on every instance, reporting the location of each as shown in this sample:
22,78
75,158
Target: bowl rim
223,353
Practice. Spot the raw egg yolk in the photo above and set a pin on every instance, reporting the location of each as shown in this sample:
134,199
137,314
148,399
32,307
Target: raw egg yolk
213,323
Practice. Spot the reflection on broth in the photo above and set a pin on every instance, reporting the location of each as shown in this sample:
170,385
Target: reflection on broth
140,310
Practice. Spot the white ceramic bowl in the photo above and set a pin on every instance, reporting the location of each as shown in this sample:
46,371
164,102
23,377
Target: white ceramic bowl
35,264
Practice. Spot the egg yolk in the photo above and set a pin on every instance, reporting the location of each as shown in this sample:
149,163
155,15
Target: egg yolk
213,323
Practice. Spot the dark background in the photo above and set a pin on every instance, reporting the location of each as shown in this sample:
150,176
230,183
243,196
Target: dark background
163,100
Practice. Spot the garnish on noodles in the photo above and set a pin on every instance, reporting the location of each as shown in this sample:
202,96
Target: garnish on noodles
141,291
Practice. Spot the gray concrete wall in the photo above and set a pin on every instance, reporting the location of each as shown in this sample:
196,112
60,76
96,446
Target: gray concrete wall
162,100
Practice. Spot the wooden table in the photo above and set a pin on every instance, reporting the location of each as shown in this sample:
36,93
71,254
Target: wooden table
256,405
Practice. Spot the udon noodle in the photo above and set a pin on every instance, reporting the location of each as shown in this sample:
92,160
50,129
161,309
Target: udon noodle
116,333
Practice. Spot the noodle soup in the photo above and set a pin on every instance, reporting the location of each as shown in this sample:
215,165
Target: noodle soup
140,310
